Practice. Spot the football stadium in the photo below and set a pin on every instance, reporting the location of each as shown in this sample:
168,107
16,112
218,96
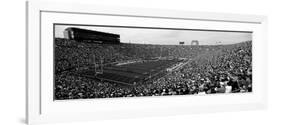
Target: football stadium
95,64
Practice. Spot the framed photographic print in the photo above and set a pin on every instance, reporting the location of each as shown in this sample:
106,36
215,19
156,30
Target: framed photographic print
89,62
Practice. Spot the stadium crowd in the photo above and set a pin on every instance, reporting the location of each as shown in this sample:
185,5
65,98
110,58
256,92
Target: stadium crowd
210,69
70,54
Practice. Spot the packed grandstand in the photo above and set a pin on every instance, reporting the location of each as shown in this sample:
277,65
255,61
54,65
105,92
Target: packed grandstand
93,70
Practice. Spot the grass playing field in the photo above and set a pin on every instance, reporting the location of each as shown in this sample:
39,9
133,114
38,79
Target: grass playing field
131,73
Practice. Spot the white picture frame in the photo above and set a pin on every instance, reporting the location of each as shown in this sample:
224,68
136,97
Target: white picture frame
41,108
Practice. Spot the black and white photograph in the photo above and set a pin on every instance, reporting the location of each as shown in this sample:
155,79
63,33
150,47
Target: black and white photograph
107,61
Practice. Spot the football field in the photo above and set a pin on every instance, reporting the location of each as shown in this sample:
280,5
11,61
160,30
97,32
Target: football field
132,73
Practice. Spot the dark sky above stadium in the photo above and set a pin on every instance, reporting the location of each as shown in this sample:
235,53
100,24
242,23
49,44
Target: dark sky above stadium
165,36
